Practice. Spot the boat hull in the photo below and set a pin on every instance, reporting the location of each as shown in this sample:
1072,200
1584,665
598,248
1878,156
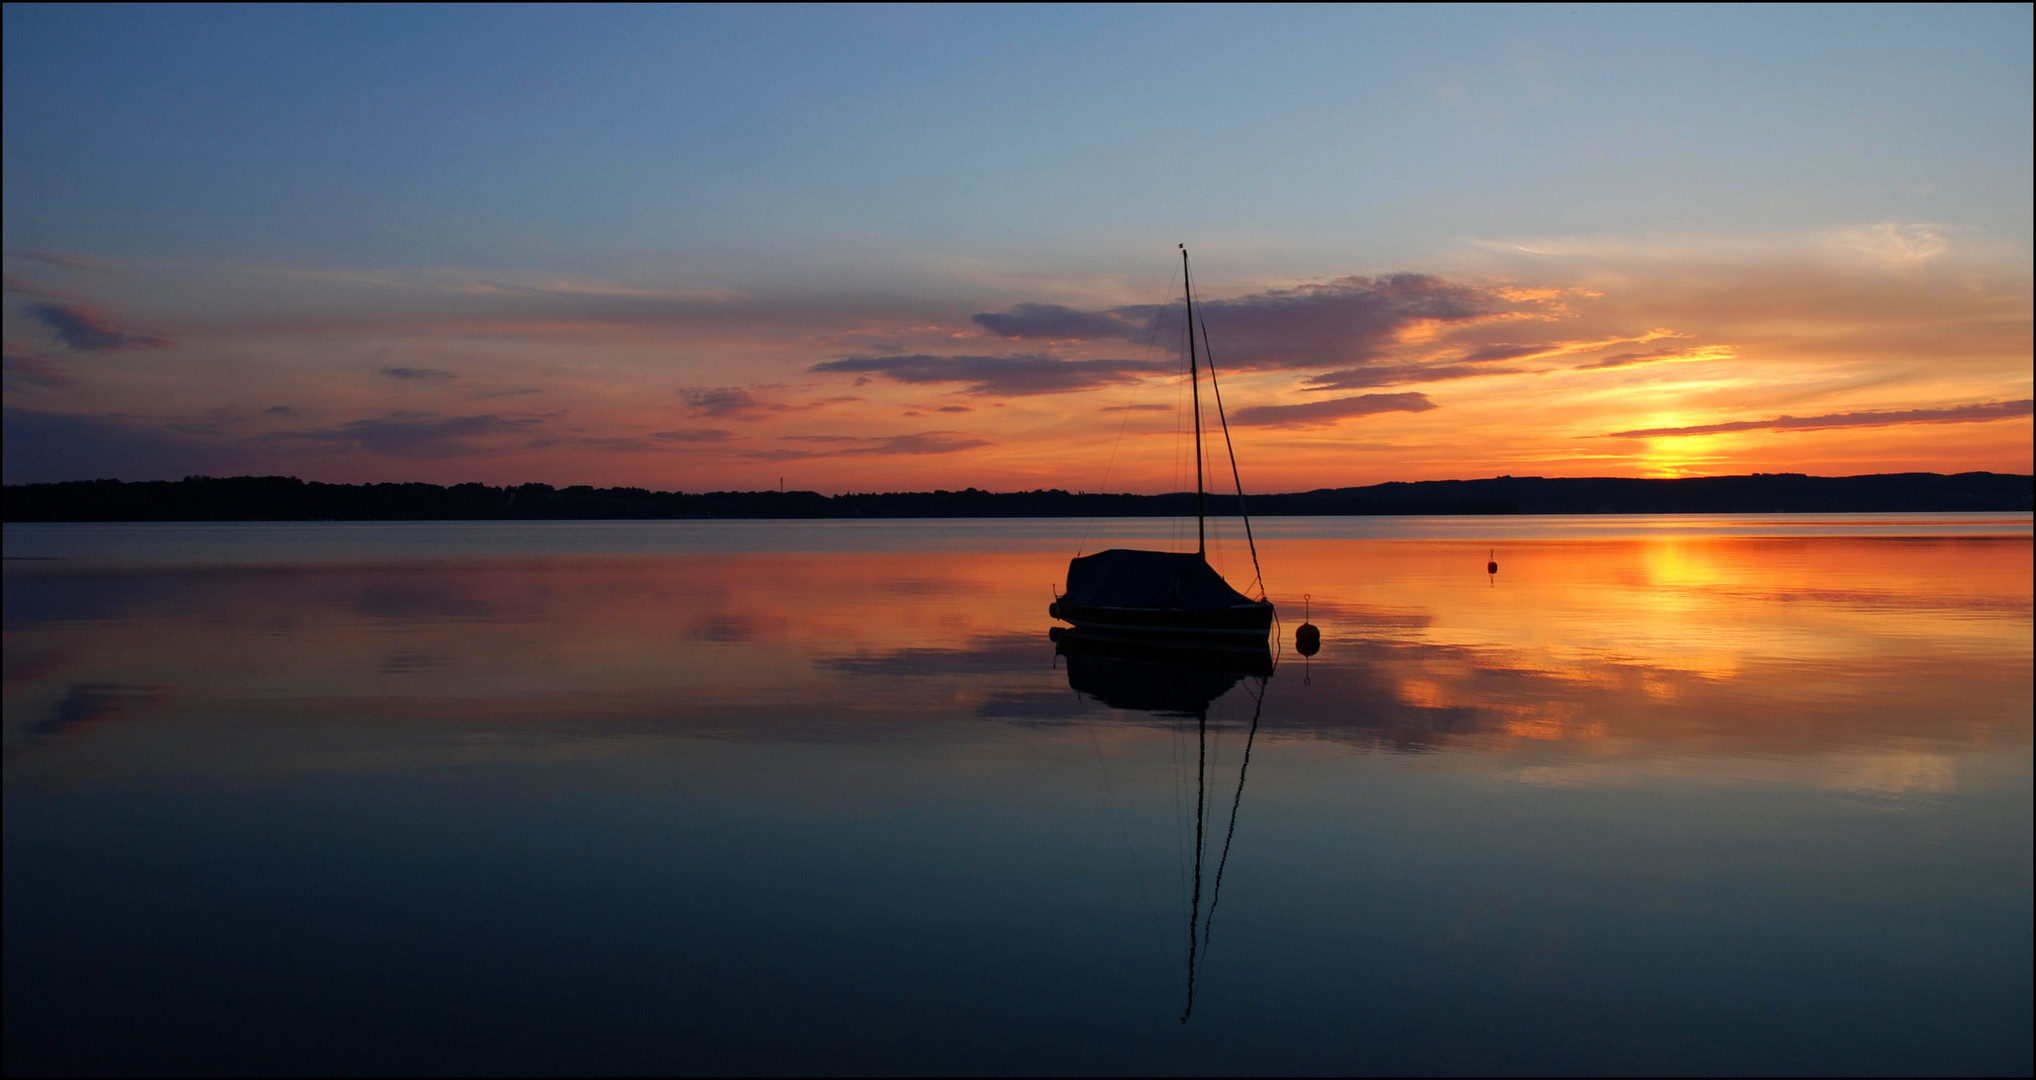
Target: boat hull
1240,656
1238,622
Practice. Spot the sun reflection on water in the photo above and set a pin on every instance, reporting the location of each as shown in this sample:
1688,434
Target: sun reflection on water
1648,643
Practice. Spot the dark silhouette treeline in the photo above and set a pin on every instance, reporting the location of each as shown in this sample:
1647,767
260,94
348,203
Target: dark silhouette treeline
282,498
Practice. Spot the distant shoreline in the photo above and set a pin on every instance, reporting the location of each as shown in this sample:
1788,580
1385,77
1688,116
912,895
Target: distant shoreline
278,498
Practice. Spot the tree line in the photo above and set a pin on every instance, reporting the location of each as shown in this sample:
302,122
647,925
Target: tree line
284,498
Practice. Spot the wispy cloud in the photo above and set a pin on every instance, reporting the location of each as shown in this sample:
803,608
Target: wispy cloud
1370,375
695,435
1656,356
730,401
23,369
925,442
1628,359
86,330
59,260
418,435
1053,322
1003,376
420,374
739,403
619,445
1316,413
1956,414
1504,350
916,444
90,703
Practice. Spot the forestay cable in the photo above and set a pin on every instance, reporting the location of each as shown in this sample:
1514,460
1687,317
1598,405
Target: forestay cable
1258,576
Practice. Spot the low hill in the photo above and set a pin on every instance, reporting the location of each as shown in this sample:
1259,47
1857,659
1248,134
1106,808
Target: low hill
282,498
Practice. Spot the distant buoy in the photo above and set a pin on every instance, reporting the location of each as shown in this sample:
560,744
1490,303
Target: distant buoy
1493,566
1307,639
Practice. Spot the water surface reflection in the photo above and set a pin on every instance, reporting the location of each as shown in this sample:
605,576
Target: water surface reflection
1676,800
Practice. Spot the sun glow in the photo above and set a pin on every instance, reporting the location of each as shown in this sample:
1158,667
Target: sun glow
1670,459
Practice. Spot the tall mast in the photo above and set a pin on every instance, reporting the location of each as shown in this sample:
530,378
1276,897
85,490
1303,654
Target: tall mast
1195,388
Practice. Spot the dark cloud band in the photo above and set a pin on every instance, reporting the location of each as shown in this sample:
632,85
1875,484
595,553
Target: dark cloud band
917,444
739,403
85,330
1004,376
1370,375
1628,359
1341,323
1315,413
420,436
1957,414
1053,322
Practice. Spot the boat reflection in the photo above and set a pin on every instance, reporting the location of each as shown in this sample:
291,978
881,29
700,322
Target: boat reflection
1167,680
1155,677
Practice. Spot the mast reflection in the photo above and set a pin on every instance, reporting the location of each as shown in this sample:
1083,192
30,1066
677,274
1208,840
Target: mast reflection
1169,680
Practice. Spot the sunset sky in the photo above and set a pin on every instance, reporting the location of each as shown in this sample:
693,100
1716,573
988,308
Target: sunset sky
868,249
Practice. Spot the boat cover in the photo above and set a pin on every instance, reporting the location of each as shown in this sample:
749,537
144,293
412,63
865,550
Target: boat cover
1123,578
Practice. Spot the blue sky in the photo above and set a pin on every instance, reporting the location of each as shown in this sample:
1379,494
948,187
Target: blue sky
481,134
952,160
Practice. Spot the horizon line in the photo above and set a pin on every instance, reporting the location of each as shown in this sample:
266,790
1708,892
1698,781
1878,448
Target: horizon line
1016,491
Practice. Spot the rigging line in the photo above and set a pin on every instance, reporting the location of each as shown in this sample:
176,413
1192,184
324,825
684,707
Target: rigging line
1180,809
1216,893
1195,907
1279,639
1258,576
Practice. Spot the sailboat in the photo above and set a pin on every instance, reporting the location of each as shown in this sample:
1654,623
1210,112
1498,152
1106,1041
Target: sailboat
1168,595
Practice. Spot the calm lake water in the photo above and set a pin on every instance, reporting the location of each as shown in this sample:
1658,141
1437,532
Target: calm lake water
1664,795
